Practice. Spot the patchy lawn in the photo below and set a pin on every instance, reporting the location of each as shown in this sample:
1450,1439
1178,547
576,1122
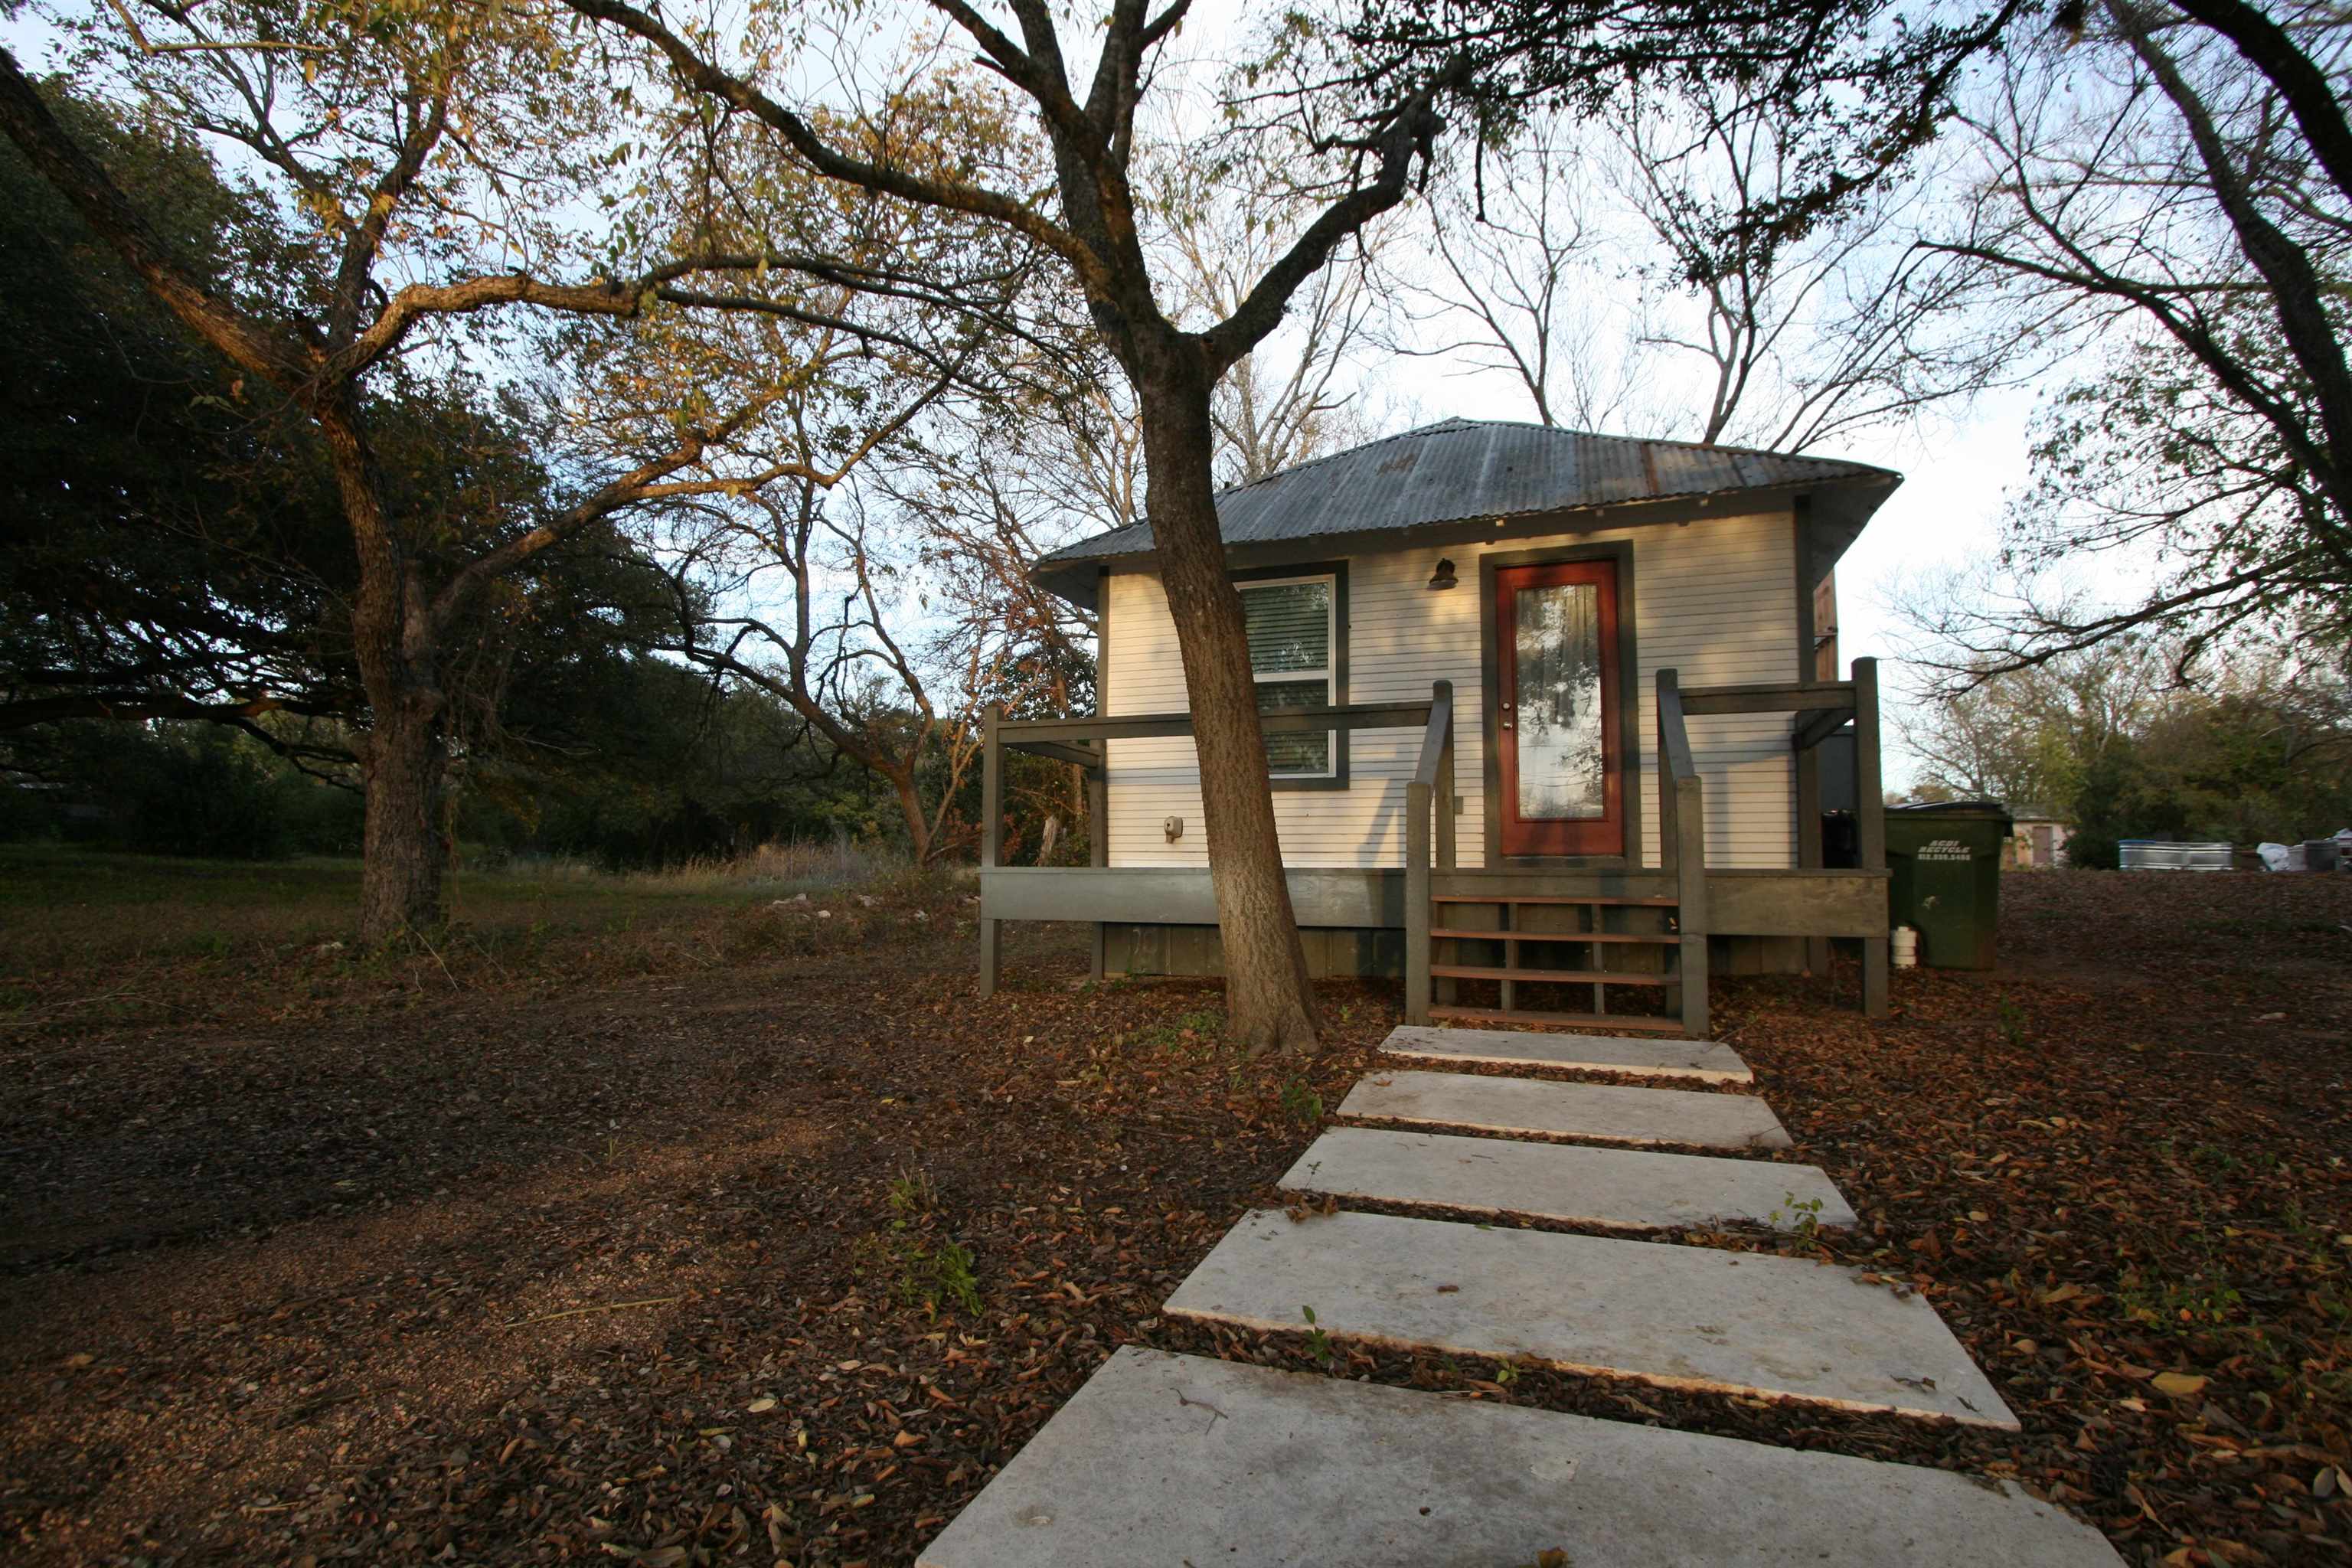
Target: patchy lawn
676,1227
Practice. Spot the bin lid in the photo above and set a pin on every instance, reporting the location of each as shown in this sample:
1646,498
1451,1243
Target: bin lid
1956,808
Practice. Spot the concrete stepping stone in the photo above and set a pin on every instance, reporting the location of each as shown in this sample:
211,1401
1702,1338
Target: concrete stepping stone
1605,1113
1702,1059
1622,1188
1681,1317
1165,1458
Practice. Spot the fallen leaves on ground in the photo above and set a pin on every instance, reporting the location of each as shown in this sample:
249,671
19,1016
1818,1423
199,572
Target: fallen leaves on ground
657,1269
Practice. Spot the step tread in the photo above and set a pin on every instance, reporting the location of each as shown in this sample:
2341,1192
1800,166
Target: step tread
1550,976
1702,1059
1550,899
1619,1189
1176,1458
1560,1020
1667,939
1682,1317
1603,1113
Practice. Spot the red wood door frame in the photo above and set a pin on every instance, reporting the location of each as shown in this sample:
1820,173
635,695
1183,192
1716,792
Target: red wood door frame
1603,834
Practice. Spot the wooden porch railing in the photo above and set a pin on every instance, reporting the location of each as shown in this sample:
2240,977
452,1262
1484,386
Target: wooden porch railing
1081,743
1822,708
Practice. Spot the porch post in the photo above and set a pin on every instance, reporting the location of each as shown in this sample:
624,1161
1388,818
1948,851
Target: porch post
1669,838
1682,850
1442,692
1809,855
1417,797
1099,837
1443,800
1870,818
1690,898
992,839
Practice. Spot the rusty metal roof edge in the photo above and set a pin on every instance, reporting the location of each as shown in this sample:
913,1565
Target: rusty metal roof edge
1087,550
1843,472
1455,422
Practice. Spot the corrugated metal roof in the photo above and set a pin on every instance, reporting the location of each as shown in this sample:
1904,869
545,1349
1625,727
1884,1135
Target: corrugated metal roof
1460,470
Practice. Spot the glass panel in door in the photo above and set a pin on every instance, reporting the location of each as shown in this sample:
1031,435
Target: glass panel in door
1563,758
1557,721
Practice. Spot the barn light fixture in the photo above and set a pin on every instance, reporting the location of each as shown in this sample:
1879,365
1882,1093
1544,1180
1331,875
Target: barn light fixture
1442,577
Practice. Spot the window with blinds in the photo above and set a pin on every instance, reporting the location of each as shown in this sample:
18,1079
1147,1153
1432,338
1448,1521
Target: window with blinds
1290,637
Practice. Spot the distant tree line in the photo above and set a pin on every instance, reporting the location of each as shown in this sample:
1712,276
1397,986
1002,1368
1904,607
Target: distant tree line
668,768
2113,741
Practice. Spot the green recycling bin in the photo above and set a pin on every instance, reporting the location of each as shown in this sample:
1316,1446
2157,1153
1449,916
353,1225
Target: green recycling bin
1946,882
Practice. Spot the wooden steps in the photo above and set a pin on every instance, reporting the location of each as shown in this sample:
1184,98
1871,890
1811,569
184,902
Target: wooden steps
1550,899
1458,934
1637,1023
1514,972
1550,976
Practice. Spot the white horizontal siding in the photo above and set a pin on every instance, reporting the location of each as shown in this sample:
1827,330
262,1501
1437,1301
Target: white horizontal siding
1714,599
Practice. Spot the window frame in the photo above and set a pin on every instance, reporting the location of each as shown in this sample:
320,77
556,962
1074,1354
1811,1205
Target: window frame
1336,673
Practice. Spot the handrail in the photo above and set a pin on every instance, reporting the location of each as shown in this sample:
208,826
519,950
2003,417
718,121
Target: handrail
1674,732
1682,846
1428,794
1769,697
1437,736
1021,734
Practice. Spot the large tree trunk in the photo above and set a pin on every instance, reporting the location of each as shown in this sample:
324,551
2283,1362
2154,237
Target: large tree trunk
401,860
910,808
396,646
1269,1004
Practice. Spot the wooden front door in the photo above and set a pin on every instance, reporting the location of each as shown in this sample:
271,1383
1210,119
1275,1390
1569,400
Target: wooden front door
1562,777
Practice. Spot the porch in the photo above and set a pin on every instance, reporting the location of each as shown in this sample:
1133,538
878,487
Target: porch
1518,929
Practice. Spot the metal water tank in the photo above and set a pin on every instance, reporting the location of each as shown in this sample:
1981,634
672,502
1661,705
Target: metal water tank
2159,855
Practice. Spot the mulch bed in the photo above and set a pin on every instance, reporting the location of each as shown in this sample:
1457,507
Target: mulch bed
680,1269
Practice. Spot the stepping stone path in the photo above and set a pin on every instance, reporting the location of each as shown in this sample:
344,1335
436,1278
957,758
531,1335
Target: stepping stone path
1682,1317
1603,1113
1614,1189
1171,1459
1653,1058
1176,1458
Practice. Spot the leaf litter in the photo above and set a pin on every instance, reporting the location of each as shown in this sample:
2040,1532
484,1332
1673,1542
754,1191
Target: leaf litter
579,1276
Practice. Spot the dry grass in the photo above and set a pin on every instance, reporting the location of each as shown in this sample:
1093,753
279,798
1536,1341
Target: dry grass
772,870
93,938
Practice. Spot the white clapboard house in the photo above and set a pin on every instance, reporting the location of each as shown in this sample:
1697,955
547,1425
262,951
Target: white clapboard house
1544,714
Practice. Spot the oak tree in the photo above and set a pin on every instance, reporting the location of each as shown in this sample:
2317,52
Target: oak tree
437,158
1100,228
